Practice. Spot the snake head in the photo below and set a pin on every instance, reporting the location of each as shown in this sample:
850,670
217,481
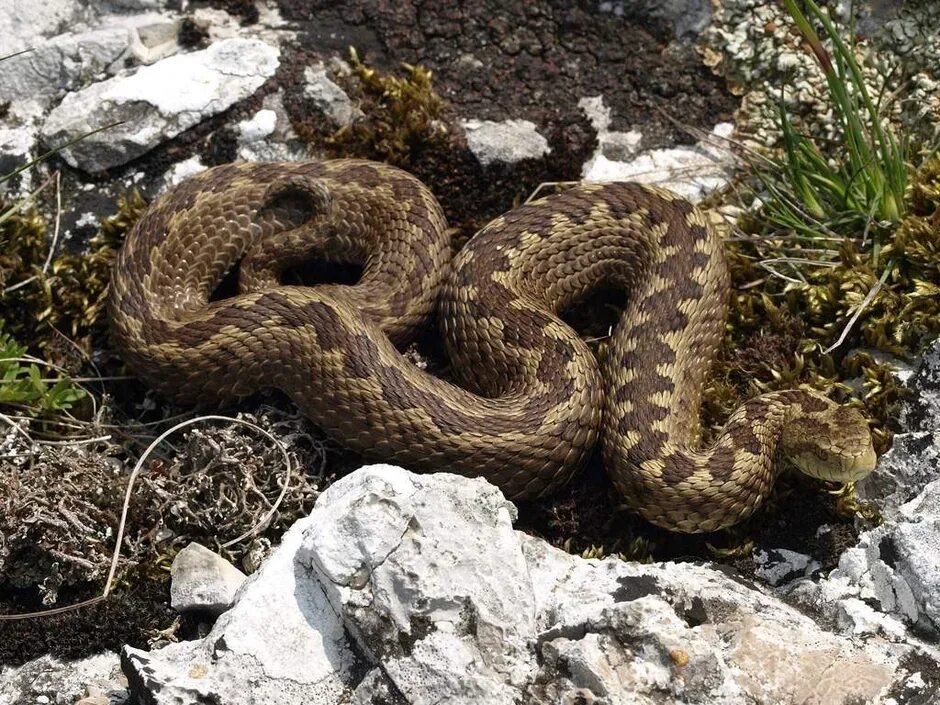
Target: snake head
830,442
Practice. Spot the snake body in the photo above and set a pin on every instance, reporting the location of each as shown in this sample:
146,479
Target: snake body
533,401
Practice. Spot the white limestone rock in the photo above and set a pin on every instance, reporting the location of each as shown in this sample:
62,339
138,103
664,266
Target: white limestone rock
897,563
267,136
415,588
613,145
328,96
26,23
780,565
680,633
922,413
49,680
72,60
281,642
61,64
157,102
914,458
506,141
692,172
431,582
182,170
203,581
901,474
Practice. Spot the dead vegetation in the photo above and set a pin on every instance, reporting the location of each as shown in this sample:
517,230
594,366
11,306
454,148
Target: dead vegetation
62,504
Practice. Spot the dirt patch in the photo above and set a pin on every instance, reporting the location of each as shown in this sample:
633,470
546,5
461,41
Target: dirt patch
133,615
495,60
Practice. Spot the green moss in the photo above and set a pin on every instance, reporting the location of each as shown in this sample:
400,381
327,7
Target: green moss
402,115
779,330
68,299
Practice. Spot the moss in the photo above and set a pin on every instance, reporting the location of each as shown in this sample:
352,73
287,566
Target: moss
779,330
68,299
402,116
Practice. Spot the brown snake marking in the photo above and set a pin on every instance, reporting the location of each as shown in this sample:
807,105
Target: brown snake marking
535,399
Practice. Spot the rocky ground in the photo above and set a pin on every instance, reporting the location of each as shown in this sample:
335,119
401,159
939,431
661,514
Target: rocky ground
822,609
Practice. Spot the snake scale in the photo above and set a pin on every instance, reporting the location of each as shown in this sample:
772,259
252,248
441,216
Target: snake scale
533,400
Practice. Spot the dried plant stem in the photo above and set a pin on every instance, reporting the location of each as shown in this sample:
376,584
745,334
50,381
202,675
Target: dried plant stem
115,556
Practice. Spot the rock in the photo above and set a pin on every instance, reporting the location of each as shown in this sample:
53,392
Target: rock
281,642
157,102
15,147
692,172
256,128
897,563
139,4
89,681
70,61
922,413
914,458
24,23
911,463
436,595
617,146
415,588
61,64
201,580
508,141
779,565
154,40
687,17
268,136
182,170
328,96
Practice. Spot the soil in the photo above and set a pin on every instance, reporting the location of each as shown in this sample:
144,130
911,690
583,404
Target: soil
133,615
495,60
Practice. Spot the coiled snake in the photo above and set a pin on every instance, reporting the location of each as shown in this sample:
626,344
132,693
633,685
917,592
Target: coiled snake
534,399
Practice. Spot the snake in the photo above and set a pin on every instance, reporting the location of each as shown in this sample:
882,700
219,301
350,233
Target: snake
529,402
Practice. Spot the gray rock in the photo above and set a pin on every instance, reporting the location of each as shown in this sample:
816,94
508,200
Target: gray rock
267,136
687,17
157,102
692,172
203,581
72,60
779,565
328,96
62,64
922,413
613,145
182,170
49,680
901,474
410,588
16,144
139,4
898,564
914,458
280,643
25,23
507,141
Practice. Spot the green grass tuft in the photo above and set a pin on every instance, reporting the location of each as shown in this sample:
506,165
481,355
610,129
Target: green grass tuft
854,189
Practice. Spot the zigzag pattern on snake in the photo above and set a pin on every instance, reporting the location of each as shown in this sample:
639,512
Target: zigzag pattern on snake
533,400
